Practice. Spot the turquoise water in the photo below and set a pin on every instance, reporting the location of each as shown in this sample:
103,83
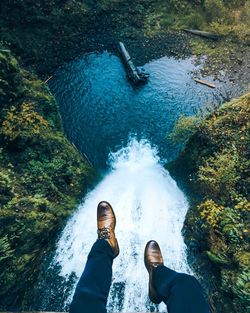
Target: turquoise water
101,110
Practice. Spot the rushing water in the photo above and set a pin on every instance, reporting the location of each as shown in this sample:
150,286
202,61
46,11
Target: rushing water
148,205
101,113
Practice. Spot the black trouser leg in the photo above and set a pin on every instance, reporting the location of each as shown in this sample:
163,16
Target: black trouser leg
92,290
181,292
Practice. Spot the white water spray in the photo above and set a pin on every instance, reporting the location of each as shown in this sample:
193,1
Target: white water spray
148,205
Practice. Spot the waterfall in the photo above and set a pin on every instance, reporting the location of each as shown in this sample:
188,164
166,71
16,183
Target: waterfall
148,205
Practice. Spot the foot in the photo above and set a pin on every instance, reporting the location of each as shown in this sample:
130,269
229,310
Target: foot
106,222
152,259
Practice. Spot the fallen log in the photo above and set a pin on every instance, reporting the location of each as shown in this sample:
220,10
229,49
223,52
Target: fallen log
203,82
135,74
200,33
49,78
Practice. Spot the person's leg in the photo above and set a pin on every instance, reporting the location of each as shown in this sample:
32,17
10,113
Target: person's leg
181,292
93,287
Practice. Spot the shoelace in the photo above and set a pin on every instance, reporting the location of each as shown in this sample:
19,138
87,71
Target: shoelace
104,233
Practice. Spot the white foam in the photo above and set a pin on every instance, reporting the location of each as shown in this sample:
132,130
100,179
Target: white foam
148,205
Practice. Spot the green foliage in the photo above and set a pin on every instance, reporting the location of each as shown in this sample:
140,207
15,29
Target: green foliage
5,250
218,259
219,174
231,226
243,259
194,20
41,174
214,9
219,251
41,178
216,158
6,185
29,27
184,128
11,82
228,16
235,3
107,5
210,212
237,283
24,123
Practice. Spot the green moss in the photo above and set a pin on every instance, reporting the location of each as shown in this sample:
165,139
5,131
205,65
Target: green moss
219,16
184,128
216,160
219,175
42,177
243,259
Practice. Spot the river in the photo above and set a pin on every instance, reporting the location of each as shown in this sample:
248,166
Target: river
123,131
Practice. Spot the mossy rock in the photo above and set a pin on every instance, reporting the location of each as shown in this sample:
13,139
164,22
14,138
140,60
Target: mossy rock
42,178
214,163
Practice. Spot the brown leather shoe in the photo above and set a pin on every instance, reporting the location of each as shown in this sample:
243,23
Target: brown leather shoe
106,222
152,259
